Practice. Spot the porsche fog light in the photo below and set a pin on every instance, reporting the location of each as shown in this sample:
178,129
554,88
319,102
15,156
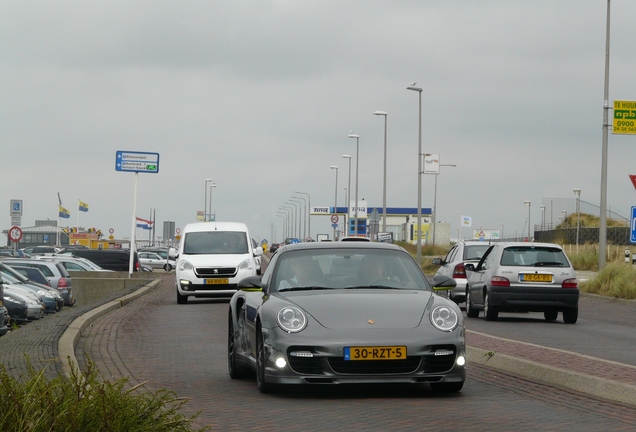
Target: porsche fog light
444,318
281,362
291,319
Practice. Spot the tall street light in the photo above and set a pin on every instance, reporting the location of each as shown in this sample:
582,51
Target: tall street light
348,205
205,205
355,215
300,215
304,213
296,220
386,115
435,200
212,186
284,216
308,211
335,202
577,191
529,204
290,218
419,176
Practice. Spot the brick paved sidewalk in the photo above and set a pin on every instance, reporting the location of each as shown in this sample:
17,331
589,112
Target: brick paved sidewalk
566,360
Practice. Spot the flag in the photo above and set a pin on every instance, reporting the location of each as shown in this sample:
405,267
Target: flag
83,207
144,223
466,221
64,213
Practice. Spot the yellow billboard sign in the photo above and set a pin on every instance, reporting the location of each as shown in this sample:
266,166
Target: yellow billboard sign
624,117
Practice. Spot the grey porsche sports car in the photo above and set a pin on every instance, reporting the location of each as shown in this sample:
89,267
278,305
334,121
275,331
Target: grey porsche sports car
346,312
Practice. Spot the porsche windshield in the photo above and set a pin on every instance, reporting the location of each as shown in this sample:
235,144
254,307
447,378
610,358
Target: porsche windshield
349,268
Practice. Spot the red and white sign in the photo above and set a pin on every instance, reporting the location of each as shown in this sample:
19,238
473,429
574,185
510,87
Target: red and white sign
15,233
632,177
334,218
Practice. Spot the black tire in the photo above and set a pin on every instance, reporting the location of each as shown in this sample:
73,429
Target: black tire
550,315
471,312
451,387
234,370
167,267
262,386
181,299
570,315
490,312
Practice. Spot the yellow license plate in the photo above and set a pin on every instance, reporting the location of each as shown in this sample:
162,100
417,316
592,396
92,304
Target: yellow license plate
217,281
375,353
528,277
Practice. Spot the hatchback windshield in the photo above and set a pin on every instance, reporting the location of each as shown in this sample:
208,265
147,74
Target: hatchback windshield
347,269
534,257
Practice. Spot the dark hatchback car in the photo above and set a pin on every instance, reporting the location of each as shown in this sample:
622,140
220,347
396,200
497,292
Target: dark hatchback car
109,259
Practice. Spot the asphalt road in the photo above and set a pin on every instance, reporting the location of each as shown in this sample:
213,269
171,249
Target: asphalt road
183,348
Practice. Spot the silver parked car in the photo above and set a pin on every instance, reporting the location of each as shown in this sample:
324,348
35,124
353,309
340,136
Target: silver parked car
523,277
155,261
454,265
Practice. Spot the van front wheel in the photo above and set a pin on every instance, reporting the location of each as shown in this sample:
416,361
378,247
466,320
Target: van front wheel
181,299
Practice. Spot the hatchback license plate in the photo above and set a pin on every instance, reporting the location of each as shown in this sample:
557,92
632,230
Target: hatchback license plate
375,353
224,281
531,277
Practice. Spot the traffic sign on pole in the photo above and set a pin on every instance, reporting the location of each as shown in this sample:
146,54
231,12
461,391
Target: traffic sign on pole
137,162
633,226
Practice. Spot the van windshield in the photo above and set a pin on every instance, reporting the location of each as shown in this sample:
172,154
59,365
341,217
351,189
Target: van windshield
215,243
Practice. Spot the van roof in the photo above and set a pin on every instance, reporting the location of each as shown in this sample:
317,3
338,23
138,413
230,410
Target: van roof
215,226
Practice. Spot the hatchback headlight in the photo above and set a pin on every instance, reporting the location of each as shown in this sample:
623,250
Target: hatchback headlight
444,318
291,319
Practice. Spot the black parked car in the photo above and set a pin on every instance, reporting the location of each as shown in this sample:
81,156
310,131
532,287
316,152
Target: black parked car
109,259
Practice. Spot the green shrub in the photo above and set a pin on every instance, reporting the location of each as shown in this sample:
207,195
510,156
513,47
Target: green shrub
586,259
616,280
85,403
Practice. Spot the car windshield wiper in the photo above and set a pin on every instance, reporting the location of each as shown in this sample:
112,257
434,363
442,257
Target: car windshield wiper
373,287
304,288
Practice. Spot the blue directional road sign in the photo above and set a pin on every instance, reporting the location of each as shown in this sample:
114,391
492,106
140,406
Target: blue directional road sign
633,225
137,162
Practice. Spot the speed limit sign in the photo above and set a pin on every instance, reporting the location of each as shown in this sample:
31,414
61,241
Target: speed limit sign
15,234
334,218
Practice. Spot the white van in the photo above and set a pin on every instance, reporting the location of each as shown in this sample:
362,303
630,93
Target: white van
213,258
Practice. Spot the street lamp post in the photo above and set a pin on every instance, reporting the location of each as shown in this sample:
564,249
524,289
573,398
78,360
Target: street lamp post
355,213
205,204
386,115
304,212
212,186
308,211
577,191
348,204
290,225
419,176
300,216
296,220
283,215
529,204
335,202
435,201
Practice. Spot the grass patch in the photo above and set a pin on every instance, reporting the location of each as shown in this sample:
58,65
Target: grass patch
616,280
85,403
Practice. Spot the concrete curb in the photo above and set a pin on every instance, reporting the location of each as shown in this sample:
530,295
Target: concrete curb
66,343
595,386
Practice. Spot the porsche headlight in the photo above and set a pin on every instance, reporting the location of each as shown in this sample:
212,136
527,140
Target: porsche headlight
444,318
291,319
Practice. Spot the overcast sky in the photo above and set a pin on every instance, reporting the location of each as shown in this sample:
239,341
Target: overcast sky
260,96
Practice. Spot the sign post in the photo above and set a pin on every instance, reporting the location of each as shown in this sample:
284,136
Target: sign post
131,161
